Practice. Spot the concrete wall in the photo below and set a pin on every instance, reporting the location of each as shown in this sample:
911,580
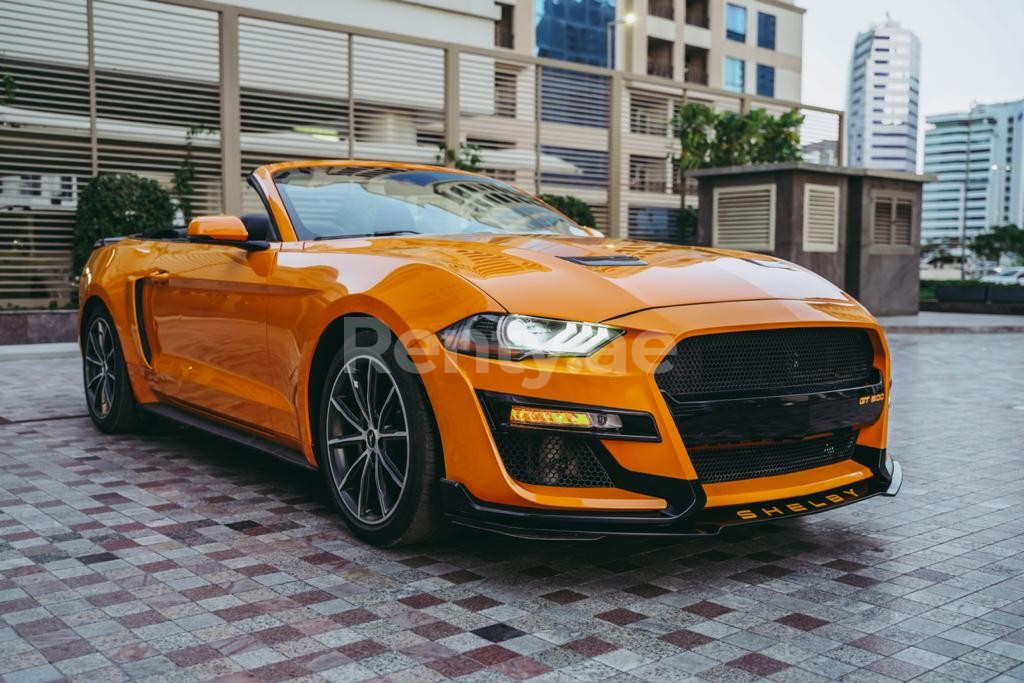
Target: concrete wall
885,278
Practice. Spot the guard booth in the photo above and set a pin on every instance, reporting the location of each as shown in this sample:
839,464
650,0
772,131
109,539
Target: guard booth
859,228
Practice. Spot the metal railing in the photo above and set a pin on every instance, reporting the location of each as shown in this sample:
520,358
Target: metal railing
141,85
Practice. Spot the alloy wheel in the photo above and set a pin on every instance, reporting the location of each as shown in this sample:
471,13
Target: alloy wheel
367,439
100,368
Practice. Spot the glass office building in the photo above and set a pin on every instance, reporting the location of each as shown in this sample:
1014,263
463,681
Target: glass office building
574,30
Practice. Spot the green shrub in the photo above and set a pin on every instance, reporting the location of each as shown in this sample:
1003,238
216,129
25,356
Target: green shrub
115,205
687,221
573,207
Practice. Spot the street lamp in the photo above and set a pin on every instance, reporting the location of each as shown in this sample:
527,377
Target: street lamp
627,20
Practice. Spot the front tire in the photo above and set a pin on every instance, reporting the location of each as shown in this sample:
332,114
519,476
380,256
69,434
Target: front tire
108,391
378,445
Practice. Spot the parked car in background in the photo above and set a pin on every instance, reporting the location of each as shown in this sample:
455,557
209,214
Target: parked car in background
1005,276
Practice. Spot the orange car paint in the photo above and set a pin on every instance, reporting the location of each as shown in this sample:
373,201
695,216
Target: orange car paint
232,334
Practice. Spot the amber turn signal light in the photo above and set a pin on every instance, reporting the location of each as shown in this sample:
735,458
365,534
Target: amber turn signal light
544,417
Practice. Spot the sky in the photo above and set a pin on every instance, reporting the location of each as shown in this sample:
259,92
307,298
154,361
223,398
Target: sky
970,49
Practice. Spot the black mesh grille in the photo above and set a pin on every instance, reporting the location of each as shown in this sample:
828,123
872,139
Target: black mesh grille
764,362
748,462
551,460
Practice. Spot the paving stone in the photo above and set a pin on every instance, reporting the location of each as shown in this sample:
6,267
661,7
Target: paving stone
169,555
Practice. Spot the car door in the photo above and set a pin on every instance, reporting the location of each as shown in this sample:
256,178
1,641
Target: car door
207,329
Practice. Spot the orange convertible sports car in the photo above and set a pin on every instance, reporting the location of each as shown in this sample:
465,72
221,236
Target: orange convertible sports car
445,348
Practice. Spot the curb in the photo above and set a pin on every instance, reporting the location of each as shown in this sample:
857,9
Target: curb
39,351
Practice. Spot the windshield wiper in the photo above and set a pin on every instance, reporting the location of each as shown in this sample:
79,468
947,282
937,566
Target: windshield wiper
378,233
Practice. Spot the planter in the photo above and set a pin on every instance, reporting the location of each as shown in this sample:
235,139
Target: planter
961,294
38,327
1006,294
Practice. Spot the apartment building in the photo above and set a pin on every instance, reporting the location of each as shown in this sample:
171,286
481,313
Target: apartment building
745,46
882,104
978,158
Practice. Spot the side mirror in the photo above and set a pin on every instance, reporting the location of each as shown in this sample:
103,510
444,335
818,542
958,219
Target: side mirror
218,228
227,230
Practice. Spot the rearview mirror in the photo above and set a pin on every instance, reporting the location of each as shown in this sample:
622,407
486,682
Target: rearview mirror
217,229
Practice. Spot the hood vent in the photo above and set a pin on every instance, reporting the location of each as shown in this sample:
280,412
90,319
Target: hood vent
613,260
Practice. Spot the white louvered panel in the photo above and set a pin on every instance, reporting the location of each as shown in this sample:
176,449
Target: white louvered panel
294,107
157,86
744,217
496,114
399,100
821,218
45,157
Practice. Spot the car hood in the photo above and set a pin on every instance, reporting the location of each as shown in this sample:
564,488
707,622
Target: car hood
593,278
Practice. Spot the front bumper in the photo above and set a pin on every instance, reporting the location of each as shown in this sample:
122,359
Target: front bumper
685,514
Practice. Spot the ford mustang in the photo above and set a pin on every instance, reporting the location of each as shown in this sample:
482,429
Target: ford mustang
446,349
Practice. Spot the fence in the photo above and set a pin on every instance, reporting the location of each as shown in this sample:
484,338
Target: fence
107,86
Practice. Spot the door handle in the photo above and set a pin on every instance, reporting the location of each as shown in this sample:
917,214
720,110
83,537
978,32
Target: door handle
159,276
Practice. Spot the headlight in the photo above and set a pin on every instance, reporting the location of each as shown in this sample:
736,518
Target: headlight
520,336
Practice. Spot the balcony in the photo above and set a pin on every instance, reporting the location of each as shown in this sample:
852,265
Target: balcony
647,174
697,13
662,69
659,57
661,8
696,65
503,34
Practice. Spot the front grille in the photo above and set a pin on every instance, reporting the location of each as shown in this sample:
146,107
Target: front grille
730,463
551,460
767,362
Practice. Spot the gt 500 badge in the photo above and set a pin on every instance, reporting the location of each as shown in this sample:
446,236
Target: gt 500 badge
799,506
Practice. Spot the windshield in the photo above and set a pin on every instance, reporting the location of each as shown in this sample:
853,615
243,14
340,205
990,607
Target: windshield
349,201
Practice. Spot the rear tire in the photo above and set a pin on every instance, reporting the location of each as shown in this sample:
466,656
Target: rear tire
378,446
108,391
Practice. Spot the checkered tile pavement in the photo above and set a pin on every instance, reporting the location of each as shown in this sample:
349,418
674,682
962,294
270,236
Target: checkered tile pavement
171,556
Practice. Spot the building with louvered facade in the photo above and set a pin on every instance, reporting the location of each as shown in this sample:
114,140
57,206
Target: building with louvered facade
152,87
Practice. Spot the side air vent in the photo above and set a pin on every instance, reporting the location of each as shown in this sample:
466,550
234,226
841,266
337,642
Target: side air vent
744,217
140,320
821,218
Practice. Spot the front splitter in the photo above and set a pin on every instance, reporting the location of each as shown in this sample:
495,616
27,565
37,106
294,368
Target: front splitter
462,508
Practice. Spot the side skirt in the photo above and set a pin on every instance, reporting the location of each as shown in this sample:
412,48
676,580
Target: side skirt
224,432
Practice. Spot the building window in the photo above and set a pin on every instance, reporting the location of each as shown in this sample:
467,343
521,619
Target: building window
503,31
696,64
734,69
697,13
654,223
765,80
736,23
661,8
766,30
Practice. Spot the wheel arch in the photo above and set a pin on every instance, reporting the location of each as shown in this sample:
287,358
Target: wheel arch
91,304
330,340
